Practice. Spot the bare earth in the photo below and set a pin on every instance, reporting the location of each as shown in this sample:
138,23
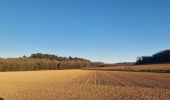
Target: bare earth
84,85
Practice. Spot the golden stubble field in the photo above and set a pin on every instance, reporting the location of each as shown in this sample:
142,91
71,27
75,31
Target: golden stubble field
137,68
84,85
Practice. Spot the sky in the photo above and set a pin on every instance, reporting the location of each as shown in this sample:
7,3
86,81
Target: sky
100,30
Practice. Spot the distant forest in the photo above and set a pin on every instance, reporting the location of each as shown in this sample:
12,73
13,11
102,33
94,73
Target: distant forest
160,57
55,57
41,61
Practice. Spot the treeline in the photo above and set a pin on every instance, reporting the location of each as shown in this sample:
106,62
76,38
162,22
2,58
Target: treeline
55,57
45,62
160,57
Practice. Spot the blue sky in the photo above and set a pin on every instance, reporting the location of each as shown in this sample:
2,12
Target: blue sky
99,30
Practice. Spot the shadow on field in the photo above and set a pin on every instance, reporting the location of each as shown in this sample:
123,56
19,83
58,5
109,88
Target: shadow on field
2,98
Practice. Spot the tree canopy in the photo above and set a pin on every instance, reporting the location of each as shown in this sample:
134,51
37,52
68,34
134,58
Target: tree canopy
58,58
160,57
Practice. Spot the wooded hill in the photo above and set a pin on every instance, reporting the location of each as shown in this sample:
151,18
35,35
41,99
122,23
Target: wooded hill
41,61
160,57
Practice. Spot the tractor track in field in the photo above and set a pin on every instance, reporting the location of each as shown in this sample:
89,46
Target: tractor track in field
120,79
145,81
132,80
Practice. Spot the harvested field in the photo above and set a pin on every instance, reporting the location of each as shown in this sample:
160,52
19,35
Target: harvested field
159,68
84,85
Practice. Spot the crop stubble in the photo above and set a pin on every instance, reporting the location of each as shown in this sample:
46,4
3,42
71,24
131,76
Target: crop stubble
84,85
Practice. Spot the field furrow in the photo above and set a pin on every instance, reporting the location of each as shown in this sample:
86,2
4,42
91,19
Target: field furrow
121,79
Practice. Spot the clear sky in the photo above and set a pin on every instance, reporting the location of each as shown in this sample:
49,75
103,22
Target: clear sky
99,30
